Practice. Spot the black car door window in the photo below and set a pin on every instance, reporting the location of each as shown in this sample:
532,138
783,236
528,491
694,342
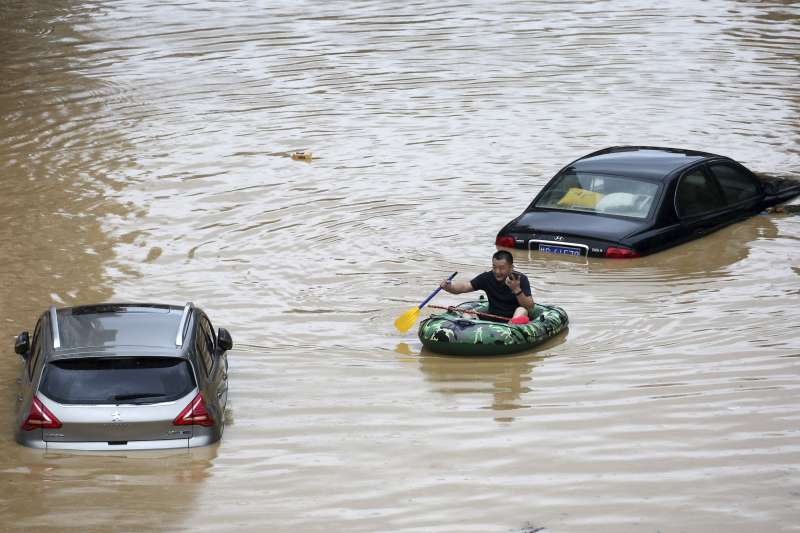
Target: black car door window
736,184
697,194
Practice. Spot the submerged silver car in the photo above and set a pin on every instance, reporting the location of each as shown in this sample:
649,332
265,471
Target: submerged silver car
122,376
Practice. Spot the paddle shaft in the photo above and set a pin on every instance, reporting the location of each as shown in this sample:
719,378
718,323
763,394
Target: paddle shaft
434,293
458,309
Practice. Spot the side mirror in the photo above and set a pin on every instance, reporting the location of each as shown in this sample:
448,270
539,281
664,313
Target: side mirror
224,340
22,344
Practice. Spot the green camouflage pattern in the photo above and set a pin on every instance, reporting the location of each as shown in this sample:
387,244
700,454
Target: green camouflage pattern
453,333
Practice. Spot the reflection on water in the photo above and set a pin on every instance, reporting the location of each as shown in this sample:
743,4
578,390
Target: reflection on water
712,256
60,158
141,151
88,489
504,380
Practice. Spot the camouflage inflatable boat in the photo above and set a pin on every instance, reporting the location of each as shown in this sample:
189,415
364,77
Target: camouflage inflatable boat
455,333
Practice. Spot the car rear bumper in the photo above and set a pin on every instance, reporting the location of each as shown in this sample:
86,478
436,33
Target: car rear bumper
201,440
558,244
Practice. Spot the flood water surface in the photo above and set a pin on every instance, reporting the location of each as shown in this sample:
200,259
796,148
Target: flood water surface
145,156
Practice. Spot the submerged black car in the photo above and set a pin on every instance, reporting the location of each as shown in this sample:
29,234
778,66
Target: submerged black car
631,201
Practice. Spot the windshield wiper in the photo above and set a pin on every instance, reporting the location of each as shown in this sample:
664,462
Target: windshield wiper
137,396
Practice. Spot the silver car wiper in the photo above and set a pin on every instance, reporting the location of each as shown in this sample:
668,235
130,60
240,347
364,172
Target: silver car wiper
137,396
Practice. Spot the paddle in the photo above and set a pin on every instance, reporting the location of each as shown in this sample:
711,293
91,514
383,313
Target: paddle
520,320
455,309
407,319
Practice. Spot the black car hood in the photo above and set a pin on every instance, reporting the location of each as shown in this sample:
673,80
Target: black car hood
565,223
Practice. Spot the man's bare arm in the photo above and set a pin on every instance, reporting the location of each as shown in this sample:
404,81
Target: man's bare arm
456,287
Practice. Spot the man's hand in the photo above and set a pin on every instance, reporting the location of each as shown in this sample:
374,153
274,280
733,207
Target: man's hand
513,282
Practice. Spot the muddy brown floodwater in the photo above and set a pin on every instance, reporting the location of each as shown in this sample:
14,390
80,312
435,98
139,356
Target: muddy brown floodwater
144,156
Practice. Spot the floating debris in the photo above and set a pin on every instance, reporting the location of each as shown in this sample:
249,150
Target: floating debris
784,208
298,155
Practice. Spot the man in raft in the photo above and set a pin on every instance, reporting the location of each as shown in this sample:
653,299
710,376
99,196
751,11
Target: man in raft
508,291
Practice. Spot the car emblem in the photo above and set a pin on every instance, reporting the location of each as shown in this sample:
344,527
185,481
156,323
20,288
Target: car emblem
115,416
558,238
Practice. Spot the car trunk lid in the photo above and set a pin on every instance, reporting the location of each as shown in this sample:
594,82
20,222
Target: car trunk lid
116,424
576,225
117,399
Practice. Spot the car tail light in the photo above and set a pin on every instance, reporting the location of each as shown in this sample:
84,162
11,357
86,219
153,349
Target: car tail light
194,414
620,253
40,417
506,241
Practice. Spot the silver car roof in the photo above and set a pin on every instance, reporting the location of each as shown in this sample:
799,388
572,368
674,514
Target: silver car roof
119,351
128,327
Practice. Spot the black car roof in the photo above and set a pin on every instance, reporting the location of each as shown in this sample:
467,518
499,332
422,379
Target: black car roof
106,327
647,162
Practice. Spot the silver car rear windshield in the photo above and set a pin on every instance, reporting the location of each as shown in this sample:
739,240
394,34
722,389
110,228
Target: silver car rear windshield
599,193
117,380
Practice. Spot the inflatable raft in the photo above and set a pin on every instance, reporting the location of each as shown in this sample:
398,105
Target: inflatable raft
455,333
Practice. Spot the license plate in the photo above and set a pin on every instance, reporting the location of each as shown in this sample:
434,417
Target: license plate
561,250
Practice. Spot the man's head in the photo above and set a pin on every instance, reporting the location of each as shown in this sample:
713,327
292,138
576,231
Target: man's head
502,264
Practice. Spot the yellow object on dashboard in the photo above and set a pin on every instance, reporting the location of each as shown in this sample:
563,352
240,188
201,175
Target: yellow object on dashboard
576,197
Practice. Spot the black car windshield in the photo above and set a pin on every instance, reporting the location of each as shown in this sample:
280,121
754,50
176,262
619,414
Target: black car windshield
599,193
115,380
